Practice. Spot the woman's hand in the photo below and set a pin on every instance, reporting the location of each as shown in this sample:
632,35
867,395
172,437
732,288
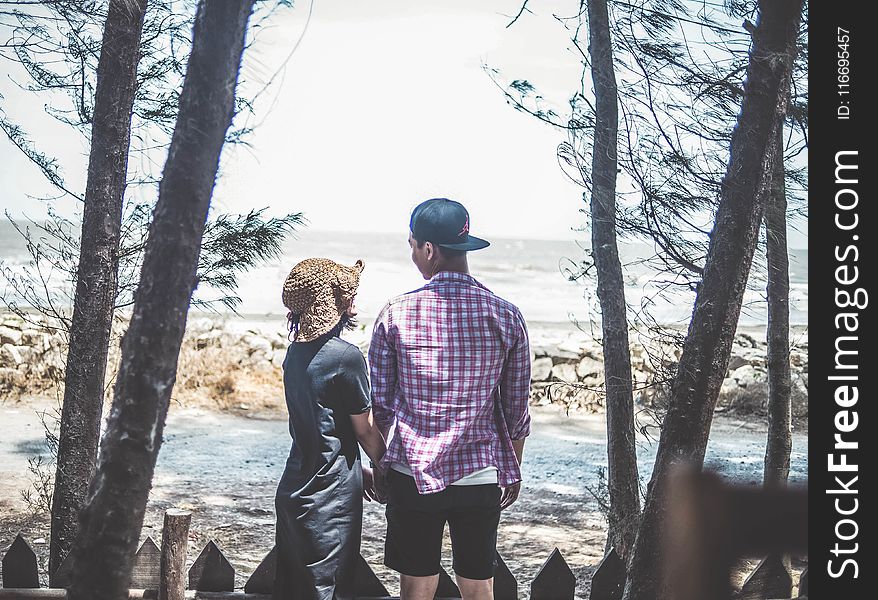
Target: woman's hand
369,491
379,478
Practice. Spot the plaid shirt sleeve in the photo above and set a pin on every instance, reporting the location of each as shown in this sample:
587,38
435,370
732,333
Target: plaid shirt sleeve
515,383
382,370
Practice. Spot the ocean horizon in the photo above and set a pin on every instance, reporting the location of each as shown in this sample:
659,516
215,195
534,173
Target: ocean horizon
531,273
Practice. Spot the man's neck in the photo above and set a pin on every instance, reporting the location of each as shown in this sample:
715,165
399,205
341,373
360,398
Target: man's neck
458,266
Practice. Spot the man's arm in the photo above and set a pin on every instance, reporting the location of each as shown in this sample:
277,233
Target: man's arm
515,387
514,395
382,370
518,446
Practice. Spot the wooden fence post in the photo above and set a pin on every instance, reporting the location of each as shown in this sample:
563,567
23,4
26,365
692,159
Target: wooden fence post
608,581
211,571
770,579
803,583
505,585
446,588
366,583
555,581
175,539
262,579
20,565
146,568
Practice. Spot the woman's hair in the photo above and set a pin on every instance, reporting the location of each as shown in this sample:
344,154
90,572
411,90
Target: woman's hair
346,323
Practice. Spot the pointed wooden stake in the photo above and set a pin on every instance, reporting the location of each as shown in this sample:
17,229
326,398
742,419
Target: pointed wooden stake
211,571
145,572
20,565
608,581
367,584
770,580
262,579
505,586
446,588
555,581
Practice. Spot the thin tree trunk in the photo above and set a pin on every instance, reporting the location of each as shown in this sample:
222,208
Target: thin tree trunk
623,481
780,439
111,521
707,349
97,271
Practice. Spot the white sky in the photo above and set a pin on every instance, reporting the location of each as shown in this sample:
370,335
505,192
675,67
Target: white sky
384,104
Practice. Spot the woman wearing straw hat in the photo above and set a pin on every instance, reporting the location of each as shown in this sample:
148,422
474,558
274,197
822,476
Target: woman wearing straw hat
319,499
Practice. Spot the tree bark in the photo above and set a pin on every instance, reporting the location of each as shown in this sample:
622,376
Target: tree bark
622,479
97,271
780,438
112,518
706,352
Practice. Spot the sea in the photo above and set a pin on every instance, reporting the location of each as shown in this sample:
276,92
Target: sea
534,274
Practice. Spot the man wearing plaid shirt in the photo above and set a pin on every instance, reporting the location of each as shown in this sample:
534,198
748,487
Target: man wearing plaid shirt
450,369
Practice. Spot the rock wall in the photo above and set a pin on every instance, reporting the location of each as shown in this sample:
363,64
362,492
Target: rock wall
32,353
216,358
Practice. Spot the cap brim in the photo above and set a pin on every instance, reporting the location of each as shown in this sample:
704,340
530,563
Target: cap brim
473,243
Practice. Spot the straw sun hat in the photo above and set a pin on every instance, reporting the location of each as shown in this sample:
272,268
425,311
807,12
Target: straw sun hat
318,291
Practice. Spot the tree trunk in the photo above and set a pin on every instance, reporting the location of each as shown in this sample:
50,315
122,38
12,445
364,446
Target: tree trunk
780,440
97,271
704,362
623,481
112,518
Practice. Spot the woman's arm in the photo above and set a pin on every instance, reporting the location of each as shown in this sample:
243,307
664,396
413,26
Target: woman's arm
368,435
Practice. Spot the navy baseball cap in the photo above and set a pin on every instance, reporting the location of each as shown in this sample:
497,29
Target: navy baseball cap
445,223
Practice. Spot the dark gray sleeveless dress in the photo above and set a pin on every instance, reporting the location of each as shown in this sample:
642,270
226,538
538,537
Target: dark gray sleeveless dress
319,499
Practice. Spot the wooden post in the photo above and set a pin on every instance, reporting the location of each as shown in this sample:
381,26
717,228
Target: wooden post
145,571
211,571
20,565
505,585
555,581
608,582
175,538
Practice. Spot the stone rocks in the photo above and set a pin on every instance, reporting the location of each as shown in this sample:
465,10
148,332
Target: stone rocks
13,356
571,374
541,370
564,372
589,367
9,335
749,376
277,358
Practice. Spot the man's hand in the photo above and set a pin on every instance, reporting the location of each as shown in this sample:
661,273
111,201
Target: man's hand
510,495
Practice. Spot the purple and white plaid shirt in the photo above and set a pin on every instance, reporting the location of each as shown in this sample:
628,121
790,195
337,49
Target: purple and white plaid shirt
450,369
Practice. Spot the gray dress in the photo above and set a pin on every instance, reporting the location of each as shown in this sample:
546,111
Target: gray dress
319,499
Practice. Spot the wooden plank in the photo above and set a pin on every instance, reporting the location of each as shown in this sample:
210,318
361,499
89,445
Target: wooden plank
555,581
446,588
211,571
20,565
771,579
175,540
608,581
262,579
146,571
505,585
366,583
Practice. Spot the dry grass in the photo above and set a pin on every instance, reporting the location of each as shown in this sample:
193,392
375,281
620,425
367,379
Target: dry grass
225,378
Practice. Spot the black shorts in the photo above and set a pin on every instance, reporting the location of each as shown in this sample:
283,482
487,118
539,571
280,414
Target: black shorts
416,523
